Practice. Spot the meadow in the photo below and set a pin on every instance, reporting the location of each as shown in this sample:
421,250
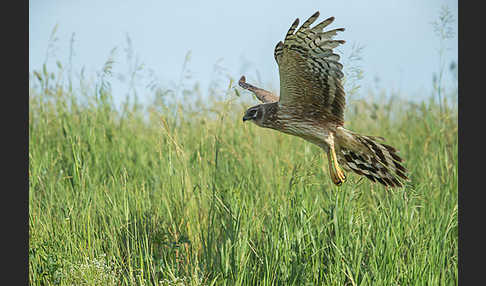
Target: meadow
182,192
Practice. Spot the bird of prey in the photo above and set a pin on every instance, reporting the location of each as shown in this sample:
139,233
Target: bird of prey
311,106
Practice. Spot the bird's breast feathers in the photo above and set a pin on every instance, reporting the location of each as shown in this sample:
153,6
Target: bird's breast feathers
314,131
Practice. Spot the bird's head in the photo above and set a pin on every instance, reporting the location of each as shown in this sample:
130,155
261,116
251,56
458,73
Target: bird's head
255,114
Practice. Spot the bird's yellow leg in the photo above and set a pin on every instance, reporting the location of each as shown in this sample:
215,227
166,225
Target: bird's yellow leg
337,174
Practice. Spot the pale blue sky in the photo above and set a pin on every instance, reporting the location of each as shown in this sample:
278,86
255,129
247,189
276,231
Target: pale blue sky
400,46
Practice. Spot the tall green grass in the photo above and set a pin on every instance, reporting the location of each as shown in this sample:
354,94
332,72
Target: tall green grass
166,194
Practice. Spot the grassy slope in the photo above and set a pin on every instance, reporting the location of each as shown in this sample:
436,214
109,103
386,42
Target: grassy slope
172,200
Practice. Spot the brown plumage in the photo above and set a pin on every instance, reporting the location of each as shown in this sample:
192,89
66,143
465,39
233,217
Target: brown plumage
311,106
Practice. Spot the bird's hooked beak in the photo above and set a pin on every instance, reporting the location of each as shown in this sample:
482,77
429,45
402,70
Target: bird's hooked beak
250,115
246,117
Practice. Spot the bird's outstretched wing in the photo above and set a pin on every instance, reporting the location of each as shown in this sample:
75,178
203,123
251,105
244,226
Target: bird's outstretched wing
264,96
310,73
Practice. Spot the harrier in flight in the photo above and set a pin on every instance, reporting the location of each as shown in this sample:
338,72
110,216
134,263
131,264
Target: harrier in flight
311,106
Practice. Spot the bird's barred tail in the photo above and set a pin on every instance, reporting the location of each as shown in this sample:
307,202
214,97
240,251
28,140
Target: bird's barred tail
367,156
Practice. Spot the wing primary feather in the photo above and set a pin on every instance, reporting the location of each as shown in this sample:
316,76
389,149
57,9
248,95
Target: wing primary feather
330,34
331,44
278,50
319,27
292,28
309,22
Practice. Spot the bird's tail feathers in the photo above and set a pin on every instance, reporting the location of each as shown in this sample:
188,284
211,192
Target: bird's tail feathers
367,156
